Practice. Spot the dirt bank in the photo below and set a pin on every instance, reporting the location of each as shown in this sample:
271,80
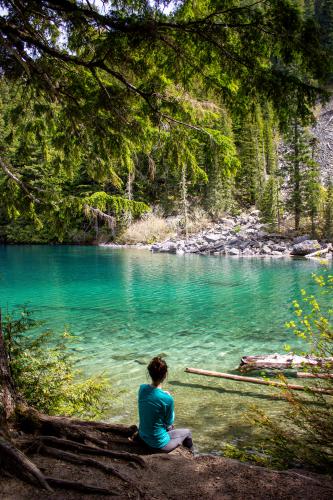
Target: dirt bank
178,475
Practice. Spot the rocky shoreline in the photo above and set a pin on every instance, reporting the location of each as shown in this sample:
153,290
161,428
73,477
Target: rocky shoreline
243,236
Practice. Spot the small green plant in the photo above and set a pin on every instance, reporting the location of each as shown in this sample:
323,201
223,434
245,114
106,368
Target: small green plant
246,455
44,370
305,434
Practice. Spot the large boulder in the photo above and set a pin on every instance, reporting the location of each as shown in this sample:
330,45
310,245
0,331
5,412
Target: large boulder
279,247
305,247
266,250
232,251
213,237
165,247
227,223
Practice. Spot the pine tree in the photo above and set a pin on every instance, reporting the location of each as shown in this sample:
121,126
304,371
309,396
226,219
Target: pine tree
221,165
250,178
328,228
324,15
302,175
270,203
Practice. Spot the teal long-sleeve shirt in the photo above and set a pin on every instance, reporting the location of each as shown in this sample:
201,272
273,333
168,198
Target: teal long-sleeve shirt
156,413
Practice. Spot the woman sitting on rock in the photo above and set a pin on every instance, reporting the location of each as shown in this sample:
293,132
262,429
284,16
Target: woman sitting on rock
156,412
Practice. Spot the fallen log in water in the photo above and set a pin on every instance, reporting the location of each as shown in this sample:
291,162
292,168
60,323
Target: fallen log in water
322,251
314,375
282,362
252,380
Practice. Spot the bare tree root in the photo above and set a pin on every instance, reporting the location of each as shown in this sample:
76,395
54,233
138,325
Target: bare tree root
32,421
15,461
75,459
67,444
78,486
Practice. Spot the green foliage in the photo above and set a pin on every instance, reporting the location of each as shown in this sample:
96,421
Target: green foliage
44,371
270,203
244,455
304,192
222,162
115,205
113,113
305,434
250,177
328,213
314,318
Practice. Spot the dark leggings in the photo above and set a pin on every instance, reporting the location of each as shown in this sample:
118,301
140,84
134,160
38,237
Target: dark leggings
178,437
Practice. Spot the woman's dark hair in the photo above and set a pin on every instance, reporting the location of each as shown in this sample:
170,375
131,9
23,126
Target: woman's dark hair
157,369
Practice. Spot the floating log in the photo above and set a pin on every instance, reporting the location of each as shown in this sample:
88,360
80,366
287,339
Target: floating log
314,375
252,380
281,362
317,253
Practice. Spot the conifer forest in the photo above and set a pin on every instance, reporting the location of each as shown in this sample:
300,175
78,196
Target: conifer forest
109,111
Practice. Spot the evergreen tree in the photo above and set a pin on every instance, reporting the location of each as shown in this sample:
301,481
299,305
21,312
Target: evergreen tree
313,190
251,175
221,165
270,138
270,202
324,14
328,228
302,175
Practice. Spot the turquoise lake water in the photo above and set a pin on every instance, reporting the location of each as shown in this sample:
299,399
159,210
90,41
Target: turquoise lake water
129,305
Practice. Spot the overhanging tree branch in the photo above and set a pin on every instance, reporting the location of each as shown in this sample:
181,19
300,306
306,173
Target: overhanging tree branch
18,181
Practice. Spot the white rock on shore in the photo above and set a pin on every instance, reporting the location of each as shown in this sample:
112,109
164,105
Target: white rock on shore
243,235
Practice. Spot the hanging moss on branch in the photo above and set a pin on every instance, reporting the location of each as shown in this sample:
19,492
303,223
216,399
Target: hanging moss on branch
115,205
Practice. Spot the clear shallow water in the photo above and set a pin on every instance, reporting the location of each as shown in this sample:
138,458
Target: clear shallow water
129,305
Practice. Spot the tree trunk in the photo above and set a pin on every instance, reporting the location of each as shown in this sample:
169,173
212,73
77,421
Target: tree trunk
297,179
184,199
8,396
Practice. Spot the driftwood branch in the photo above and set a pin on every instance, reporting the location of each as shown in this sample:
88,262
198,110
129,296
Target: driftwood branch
320,252
282,362
252,380
314,375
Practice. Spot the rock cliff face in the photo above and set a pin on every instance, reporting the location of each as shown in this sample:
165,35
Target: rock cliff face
323,132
